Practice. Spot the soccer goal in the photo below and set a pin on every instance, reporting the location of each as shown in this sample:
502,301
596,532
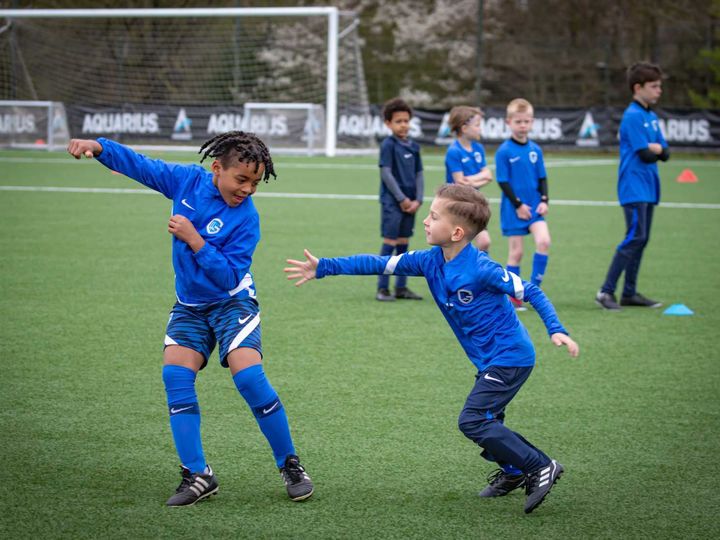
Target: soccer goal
33,124
167,78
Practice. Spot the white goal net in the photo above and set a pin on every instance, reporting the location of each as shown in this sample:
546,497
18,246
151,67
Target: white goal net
170,77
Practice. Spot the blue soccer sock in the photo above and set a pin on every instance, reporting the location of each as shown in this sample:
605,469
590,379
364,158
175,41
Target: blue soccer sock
268,410
184,416
401,281
514,269
540,262
383,280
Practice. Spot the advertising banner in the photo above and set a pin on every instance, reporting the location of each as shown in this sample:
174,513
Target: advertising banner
595,127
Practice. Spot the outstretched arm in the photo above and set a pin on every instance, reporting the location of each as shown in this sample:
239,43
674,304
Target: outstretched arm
303,271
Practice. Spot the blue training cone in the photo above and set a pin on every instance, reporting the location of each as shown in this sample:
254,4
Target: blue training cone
678,309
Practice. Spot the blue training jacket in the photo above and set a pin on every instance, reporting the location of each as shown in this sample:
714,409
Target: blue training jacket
471,292
221,269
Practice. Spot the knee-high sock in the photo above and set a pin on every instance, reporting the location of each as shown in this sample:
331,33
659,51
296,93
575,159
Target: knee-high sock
184,416
383,280
401,281
268,410
514,269
540,262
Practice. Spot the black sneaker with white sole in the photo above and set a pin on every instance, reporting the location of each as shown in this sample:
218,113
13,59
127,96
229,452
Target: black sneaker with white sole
607,301
298,483
639,300
383,295
502,483
193,488
539,483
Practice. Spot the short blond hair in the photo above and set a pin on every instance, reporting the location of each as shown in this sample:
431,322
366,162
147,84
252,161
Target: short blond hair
519,105
467,205
461,115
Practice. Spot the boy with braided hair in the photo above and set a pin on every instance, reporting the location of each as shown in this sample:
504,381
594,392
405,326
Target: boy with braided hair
215,229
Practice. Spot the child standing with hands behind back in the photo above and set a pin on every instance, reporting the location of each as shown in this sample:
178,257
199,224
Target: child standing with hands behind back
520,172
465,162
401,193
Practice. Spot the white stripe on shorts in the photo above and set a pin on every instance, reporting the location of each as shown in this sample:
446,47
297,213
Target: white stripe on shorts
245,332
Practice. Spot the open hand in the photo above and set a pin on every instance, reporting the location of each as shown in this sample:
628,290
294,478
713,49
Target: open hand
303,271
84,147
559,340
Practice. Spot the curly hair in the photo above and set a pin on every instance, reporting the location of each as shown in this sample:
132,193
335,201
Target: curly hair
241,147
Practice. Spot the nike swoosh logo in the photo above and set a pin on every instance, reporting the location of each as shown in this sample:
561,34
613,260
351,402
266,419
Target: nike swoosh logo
489,378
514,159
506,277
173,410
267,411
185,203
243,321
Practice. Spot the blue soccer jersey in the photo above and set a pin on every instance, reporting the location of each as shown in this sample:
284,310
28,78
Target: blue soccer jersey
638,181
471,291
221,269
457,159
403,158
522,165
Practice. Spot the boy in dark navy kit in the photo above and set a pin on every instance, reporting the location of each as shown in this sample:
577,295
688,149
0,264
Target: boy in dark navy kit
401,193
471,291
641,146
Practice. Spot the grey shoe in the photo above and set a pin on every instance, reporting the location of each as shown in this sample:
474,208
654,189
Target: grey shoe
403,293
298,483
193,488
607,301
383,295
502,483
639,300
539,483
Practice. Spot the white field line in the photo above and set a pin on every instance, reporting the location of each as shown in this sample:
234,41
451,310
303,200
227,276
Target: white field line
331,196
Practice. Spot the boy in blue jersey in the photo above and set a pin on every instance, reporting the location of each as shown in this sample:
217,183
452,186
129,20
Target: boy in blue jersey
215,229
465,162
520,172
401,193
471,291
641,146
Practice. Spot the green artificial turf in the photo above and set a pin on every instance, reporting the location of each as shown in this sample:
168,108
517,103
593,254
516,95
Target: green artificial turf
372,390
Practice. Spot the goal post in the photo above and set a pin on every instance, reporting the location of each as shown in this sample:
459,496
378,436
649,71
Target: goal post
155,62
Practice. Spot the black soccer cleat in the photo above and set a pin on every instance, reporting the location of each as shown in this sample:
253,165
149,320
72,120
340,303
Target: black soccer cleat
403,293
383,295
193,488
607,301
298,483
639,300
502,483
539,483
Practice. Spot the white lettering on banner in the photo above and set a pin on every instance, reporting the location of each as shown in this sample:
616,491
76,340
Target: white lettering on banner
220,123
17,123
368,125
121,123
686,130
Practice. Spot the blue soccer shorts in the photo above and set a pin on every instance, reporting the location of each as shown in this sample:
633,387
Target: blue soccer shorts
394,223
233,323
522,230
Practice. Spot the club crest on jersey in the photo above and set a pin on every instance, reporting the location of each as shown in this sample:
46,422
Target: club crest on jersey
465,296
478,157
214,226
533,157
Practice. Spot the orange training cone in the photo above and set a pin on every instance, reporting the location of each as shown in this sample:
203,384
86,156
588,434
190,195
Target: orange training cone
687,177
